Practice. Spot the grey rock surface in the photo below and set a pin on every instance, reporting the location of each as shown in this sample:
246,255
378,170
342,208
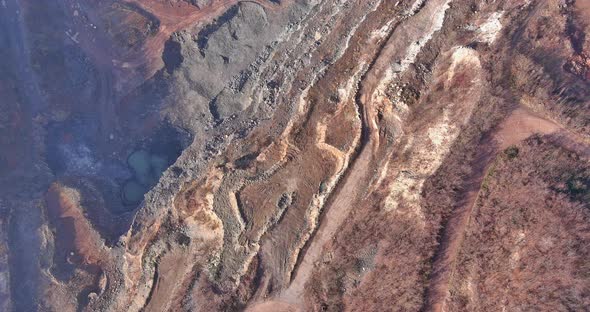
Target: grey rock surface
212,66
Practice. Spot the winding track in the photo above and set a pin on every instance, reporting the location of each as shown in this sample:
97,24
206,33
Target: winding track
518,126
359,172
395,47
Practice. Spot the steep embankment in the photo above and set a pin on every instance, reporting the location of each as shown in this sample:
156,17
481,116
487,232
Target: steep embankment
296,155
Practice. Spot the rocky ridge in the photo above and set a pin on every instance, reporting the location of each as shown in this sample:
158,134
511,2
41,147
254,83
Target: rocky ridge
317,155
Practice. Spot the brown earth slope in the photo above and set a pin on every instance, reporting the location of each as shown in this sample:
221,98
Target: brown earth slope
306,155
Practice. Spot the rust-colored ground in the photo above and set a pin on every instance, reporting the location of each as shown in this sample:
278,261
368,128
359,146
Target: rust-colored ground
397,156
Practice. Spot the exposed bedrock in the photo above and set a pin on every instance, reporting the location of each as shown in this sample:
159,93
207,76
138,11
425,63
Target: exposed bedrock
296,155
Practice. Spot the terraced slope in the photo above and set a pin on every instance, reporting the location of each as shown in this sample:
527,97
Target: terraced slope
295,155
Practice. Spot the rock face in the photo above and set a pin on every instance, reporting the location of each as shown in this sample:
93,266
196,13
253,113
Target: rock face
212,69
200,3
297,155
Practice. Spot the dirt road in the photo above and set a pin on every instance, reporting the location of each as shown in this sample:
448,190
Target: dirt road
398,46
519,125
